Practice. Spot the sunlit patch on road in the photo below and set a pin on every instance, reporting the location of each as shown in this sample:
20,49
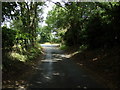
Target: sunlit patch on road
94,59
81,64
53,61
56,74
85,87
47,77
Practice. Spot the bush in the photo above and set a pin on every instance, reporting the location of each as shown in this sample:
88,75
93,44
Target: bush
82,48
8,38
63,47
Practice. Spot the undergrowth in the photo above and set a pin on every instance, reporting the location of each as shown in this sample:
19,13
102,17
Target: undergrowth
15,60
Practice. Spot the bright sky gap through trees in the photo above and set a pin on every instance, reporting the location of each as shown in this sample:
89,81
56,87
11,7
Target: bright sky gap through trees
49,6
46,8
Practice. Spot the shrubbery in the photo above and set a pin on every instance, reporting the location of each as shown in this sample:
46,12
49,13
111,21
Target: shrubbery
8,38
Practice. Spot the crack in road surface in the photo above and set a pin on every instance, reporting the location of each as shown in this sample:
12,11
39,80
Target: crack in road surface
58,71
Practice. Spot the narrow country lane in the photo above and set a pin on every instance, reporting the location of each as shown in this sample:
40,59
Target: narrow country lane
58,71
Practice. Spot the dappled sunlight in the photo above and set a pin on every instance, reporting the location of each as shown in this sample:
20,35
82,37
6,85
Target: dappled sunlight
19,57
49,46
75,53
18,84
58,57
70,55
81,38
46,77
39,82
65,56
62,56
47,43
94,59
56,74
54,71
81,64
49,60
84,87
53,54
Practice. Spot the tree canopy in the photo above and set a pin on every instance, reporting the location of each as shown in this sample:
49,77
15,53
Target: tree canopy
91,23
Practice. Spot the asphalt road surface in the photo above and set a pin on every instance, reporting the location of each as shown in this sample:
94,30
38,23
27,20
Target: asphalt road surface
56,70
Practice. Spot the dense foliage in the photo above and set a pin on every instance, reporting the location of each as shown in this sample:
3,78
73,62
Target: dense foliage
93,24
92,29
19,40
8,38
25,23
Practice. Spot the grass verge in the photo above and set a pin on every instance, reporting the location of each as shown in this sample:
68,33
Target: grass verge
18,67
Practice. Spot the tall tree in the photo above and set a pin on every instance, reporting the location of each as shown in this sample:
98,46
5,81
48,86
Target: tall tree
28,19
